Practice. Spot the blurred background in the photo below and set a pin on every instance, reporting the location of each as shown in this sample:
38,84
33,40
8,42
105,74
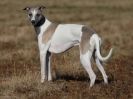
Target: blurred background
19,56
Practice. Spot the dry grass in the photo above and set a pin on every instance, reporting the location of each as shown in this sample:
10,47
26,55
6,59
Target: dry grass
19,61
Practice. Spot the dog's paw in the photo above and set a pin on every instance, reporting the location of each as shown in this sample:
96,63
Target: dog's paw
42,80
106,80
49,78
92,81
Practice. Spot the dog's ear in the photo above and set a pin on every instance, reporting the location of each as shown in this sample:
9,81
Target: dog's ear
26,9
41,7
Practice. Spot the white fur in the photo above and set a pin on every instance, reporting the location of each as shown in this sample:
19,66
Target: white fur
100,67
97,41
43,50
64,37
34,12
86,62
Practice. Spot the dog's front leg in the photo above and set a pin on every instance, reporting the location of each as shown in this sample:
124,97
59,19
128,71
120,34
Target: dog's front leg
44,56
43,66
48,64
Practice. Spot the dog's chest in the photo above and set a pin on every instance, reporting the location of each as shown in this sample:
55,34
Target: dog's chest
48,33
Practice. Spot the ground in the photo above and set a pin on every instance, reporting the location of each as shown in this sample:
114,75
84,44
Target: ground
19,61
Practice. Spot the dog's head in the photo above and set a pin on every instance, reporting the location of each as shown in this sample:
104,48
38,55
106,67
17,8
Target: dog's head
35,14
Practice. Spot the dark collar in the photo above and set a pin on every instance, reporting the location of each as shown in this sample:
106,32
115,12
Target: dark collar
39,24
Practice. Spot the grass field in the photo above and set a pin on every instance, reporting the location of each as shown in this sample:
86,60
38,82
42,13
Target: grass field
19,56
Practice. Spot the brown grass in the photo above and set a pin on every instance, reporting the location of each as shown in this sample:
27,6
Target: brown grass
19,61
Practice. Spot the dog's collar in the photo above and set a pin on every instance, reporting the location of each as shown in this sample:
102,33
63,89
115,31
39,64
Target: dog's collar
43,27
41,22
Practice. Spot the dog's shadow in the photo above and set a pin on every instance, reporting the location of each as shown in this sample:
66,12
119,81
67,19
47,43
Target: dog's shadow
79,78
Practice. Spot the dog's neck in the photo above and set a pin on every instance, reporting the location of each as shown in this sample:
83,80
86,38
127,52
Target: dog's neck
42,25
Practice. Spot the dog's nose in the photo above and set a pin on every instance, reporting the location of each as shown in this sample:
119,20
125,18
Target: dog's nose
33,22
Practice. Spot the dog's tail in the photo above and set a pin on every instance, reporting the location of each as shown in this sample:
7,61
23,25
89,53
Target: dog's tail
97,47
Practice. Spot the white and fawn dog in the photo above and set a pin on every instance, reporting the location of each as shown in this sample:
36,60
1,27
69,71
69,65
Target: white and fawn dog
57,38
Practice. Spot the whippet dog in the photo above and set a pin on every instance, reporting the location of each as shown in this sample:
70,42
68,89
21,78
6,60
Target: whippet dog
57,38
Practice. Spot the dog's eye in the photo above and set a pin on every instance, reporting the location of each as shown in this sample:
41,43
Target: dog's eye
30,15
37,15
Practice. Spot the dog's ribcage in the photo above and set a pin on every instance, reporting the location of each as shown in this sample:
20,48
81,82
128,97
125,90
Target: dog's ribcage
65,36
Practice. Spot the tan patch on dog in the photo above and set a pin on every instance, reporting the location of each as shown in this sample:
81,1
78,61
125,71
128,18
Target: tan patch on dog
49,32
86,35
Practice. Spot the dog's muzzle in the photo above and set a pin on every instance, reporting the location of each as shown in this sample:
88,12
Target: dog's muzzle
33,22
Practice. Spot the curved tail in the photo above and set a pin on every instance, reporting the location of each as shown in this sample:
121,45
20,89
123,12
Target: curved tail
97,46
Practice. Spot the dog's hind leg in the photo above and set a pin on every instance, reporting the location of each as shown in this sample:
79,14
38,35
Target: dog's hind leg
100,67
86,62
